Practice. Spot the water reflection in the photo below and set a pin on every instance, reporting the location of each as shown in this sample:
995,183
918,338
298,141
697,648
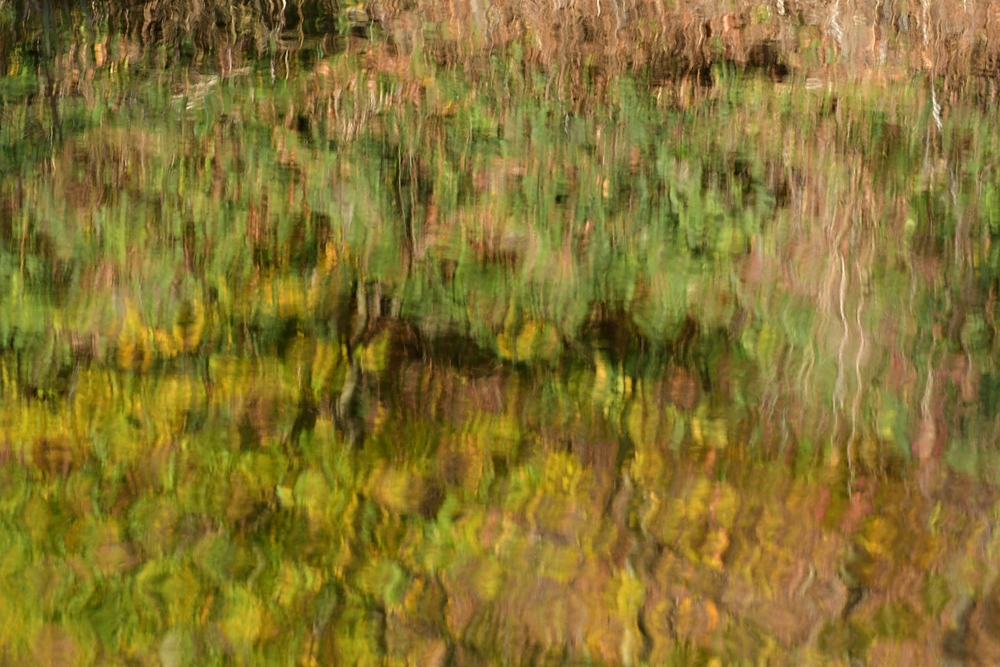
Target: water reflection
381,336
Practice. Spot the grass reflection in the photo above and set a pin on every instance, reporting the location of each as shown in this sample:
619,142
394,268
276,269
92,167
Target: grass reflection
370,335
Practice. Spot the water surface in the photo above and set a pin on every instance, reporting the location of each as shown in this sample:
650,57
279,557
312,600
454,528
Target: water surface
509,335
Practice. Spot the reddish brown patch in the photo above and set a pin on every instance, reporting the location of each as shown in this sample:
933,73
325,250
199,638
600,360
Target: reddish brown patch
54,647
822,504
683,389
860,506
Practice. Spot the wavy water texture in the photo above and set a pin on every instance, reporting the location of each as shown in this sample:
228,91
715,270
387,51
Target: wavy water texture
456,333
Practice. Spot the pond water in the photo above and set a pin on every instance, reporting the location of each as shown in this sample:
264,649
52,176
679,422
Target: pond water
455,333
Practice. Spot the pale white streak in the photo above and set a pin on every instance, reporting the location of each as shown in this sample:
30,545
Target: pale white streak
857,391
840,388
838,32
926,22
935,107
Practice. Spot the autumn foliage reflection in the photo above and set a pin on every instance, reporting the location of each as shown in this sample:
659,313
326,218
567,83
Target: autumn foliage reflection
467,333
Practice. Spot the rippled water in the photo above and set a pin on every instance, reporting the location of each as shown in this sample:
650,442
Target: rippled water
455,334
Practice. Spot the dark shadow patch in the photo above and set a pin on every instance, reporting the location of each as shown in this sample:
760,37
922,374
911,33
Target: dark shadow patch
765,57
